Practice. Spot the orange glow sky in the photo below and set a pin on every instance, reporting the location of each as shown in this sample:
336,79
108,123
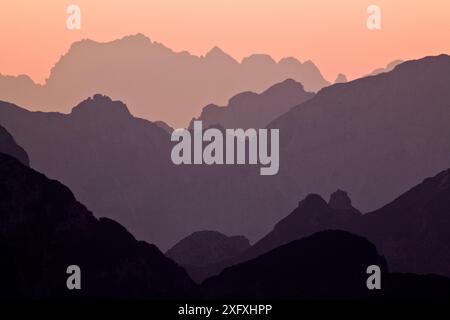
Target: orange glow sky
331,33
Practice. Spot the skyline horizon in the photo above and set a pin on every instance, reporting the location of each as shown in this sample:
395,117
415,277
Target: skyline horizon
332,35
214,47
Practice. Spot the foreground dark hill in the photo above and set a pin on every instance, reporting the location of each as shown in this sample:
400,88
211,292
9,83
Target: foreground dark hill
9,146
44,230
374,137
252,110
156,82
326,265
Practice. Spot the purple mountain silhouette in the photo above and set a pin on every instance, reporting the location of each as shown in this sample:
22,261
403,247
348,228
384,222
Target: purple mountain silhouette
411,231
252,110
371,137
156,82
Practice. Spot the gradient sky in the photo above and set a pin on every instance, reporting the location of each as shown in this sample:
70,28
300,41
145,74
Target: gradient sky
333,34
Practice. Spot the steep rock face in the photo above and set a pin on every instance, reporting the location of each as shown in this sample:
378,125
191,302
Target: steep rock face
9,146
43,230
206,247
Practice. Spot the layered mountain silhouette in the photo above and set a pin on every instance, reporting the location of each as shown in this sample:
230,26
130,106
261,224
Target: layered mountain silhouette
411,232
45,230
119,166
326,265
374,137
252,110
156,82
9,146
341,78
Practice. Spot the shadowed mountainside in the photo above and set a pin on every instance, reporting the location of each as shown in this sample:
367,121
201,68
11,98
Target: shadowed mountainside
156,82
44,230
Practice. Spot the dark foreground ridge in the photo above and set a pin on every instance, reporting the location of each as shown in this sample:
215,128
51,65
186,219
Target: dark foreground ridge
44,230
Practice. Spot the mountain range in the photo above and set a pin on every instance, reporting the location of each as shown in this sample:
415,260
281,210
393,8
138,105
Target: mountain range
45,230
374,137
411,232
156,82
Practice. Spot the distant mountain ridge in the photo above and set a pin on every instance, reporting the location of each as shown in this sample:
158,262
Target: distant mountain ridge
156,82
250,110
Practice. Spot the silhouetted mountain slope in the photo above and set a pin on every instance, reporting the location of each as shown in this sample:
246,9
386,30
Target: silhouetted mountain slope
206,247
155,81
44,230
10,147
252,110
413,230
326,265
374,137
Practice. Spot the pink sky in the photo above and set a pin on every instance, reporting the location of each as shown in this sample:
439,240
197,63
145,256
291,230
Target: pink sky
333,34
